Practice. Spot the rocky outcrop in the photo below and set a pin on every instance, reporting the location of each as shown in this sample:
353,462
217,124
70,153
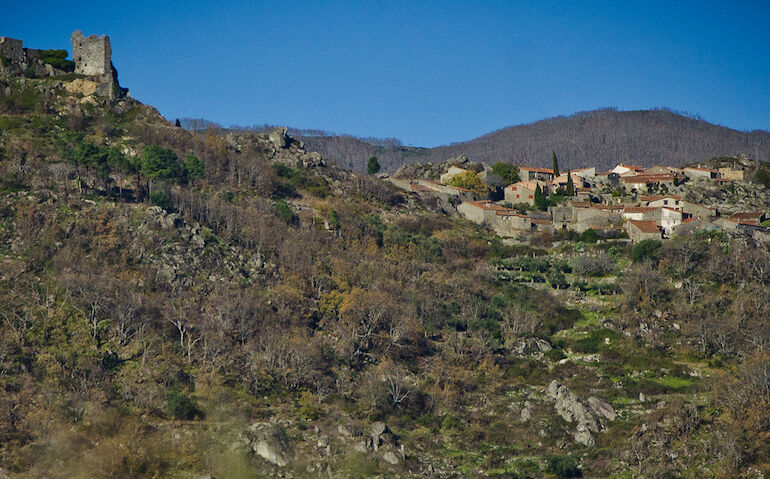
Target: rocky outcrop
270,442
279,138
531,346
588,418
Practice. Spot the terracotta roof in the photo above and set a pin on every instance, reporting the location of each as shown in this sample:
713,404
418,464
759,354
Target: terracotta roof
486,205
608,207
747,215
510,213
671,209
529,185
659,197
536,170
645,226
689,220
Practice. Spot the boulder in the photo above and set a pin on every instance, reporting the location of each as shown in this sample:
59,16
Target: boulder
602,408
270,442
527,346
349,430
572,409
278,137
393,456
378,428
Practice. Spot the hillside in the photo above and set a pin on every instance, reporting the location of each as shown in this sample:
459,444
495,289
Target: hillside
602,138
228,305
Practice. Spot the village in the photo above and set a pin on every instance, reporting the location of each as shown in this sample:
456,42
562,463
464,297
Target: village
626,202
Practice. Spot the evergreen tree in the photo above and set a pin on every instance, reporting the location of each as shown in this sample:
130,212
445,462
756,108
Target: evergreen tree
555,165
570,185
541,201
373,166
178,124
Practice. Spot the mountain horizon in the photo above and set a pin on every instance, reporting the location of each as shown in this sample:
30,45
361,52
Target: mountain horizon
601,138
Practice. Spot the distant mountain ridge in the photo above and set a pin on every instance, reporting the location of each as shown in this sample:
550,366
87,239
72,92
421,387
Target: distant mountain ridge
600,137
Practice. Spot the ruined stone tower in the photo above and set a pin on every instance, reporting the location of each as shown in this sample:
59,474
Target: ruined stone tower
92,54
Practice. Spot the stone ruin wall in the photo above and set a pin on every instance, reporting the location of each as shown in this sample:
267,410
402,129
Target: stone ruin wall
92,54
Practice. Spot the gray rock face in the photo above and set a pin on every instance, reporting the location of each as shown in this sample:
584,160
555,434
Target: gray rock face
527,346
349,430
270,442
278,137
572,409
602,408
393,456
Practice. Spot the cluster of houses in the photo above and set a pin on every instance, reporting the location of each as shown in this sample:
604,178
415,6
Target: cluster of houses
639,202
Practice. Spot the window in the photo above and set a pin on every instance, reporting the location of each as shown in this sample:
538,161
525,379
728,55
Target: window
530,196
517,196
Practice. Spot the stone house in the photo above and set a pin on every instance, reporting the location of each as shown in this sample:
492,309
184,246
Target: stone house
523,191
627,170
606,179
480,212
698,210
642,230
586,173
732,174
561,181
701,173
510,223
637,213
649,182
659,201
748,218
530,173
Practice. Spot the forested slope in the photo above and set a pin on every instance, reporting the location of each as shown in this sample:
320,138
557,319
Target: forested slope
602,138
177,304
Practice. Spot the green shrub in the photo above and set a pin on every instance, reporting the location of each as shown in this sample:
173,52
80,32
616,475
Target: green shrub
161,199
57,59
589,236
646,250
563,467
284,212
181,406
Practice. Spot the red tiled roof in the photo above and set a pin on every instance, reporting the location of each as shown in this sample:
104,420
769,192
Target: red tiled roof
689,220
659,197
645,226
747,215
671,209
510,213
536,170
487,205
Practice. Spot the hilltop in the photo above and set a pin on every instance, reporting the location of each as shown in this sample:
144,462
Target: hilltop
601,138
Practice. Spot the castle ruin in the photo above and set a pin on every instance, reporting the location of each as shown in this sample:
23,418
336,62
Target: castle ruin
92,54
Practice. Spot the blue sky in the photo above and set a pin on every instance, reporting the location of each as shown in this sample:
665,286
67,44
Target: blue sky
429,73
